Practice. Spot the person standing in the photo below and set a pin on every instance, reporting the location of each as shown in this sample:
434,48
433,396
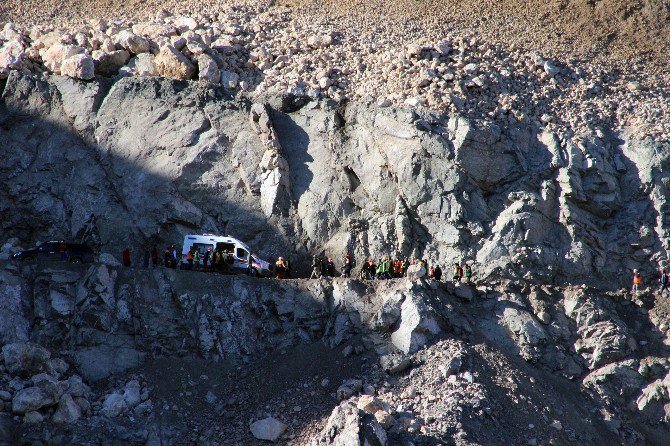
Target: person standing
665,277
126,257
175,256
637,281
63,251
196,259
154,256
280,268
167,258
438,272
189,258
458,272
330,267
206,258
316,268
346,269
468,273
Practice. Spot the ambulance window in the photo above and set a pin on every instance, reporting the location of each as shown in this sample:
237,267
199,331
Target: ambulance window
242,253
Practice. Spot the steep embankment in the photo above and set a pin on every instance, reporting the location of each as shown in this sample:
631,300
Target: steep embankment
152,355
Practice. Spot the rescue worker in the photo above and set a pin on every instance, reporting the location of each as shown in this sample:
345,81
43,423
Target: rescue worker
397,268
189,258
346,268
365,270
380,270
637,281
126,257
167,258
431,272
280,269
316,268
196,259
468,273
438,272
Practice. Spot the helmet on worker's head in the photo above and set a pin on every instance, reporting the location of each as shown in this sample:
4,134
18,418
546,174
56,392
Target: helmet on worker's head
634,270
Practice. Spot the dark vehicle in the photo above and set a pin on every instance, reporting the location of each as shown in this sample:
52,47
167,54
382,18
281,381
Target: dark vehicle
73,253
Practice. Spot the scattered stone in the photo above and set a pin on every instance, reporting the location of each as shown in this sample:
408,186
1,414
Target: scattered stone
79,66
267,429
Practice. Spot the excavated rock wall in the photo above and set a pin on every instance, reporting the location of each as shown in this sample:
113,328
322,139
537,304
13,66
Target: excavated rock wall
136,161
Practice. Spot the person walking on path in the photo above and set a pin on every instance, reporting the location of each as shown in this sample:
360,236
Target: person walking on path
637,281
175,257
126,257
665,277
468,273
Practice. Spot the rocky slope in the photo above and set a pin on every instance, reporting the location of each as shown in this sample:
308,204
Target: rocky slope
144,160
309,128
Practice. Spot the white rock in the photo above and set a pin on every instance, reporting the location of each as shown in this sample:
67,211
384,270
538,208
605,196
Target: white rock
131,393
268,429
415,101
79,66
551,69
132,42
114,405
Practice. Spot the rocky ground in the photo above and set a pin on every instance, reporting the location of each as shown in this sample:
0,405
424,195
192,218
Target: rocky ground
159,357
529,139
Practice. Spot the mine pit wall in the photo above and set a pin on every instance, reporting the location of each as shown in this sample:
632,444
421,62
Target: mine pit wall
136,161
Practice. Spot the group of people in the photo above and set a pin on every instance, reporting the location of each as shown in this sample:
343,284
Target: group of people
385,268
149,255
663,280
325,267
218,260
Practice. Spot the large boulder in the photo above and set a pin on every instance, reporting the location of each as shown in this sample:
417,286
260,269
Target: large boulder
172,64
132,42
79,66
418,323
208,70
109,64
46,393
25,359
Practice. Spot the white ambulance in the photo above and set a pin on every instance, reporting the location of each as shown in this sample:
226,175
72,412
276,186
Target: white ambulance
242,255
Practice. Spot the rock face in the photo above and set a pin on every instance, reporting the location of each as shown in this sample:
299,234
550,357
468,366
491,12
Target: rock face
293,176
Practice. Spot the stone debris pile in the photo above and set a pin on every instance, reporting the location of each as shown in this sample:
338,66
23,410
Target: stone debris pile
270,51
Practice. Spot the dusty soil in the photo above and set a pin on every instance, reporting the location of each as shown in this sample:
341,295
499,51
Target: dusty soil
608,31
